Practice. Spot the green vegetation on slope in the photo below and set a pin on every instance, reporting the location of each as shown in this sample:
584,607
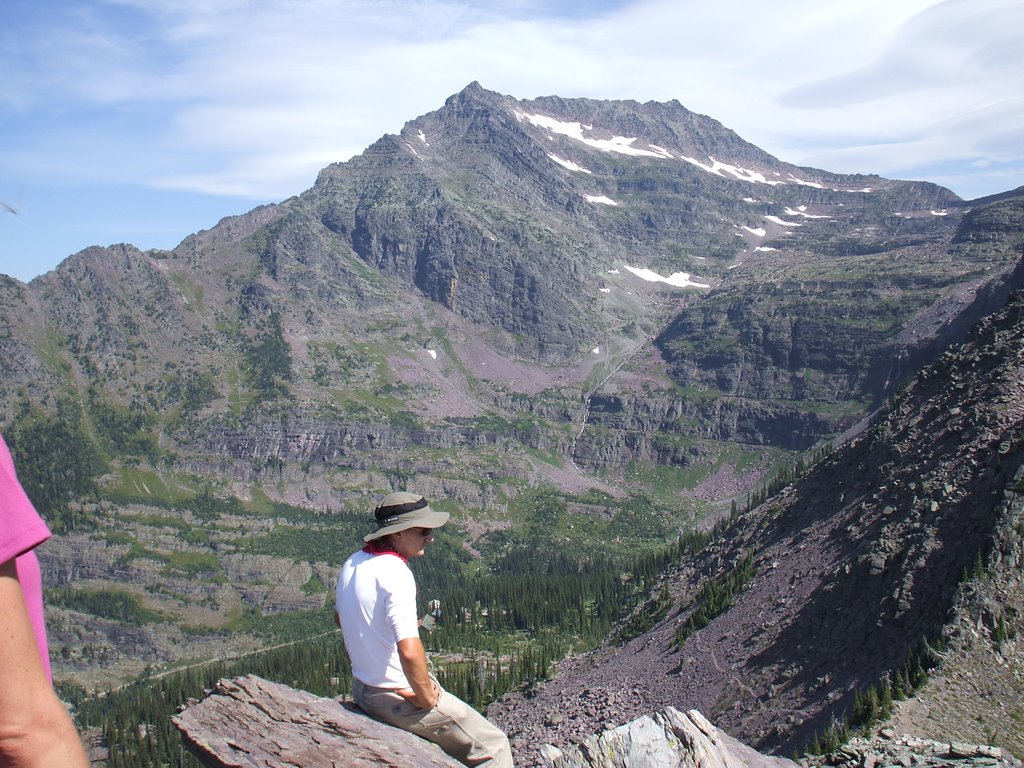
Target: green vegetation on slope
498,631
56,462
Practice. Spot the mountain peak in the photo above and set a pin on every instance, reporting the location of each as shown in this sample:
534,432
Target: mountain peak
565,293
474,92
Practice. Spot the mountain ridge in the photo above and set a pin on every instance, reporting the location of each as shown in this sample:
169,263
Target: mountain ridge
484,304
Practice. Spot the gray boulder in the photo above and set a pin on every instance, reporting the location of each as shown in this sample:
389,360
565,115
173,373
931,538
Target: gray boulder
666,739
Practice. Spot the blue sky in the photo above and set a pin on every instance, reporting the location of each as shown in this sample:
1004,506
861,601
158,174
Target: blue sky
143,121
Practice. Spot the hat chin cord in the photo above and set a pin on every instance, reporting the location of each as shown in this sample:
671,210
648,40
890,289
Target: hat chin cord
382,546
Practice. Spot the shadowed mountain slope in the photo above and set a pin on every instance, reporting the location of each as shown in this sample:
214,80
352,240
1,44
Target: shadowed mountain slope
846,571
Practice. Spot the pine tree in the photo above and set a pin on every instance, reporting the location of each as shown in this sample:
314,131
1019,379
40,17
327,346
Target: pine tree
885,698
900,687
978,570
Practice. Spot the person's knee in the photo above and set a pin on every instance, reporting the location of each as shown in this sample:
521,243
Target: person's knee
501,755
501,744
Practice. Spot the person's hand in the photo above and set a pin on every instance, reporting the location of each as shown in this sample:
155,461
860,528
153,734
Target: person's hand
419,701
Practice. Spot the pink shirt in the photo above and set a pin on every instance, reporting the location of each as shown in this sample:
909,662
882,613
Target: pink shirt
21,531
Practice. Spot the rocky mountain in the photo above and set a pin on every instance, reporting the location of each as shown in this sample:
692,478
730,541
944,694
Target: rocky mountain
625,302
905,543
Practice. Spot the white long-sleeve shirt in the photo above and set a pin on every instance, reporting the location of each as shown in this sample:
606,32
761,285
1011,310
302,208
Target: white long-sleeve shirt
376,604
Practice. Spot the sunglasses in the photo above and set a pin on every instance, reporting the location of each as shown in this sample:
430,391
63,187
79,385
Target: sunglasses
424,532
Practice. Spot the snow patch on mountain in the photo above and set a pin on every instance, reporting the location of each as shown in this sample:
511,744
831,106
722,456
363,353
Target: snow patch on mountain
782,222
801,210
574,130
794,180
625,145
677,279
569,164
719,168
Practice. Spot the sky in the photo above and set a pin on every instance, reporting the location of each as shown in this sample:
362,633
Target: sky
144,121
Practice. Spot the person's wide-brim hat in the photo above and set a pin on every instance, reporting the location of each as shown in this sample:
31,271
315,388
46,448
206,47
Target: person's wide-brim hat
400,511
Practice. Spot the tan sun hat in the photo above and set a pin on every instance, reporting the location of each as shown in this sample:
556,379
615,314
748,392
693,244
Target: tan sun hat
400,511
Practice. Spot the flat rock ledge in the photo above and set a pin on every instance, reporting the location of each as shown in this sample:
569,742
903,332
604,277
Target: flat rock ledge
249,722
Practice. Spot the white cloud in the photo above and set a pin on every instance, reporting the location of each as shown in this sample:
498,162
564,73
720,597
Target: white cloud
893,85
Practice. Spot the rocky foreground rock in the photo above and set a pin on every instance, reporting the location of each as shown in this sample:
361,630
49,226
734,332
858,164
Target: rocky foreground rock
891,749
249,722
666,739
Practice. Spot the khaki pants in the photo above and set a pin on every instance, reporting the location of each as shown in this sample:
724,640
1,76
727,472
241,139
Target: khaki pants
452,724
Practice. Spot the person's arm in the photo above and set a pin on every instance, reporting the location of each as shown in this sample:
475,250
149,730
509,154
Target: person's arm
35,729
423,693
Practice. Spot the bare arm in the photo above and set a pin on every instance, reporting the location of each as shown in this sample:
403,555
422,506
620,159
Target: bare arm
414,663
35,729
